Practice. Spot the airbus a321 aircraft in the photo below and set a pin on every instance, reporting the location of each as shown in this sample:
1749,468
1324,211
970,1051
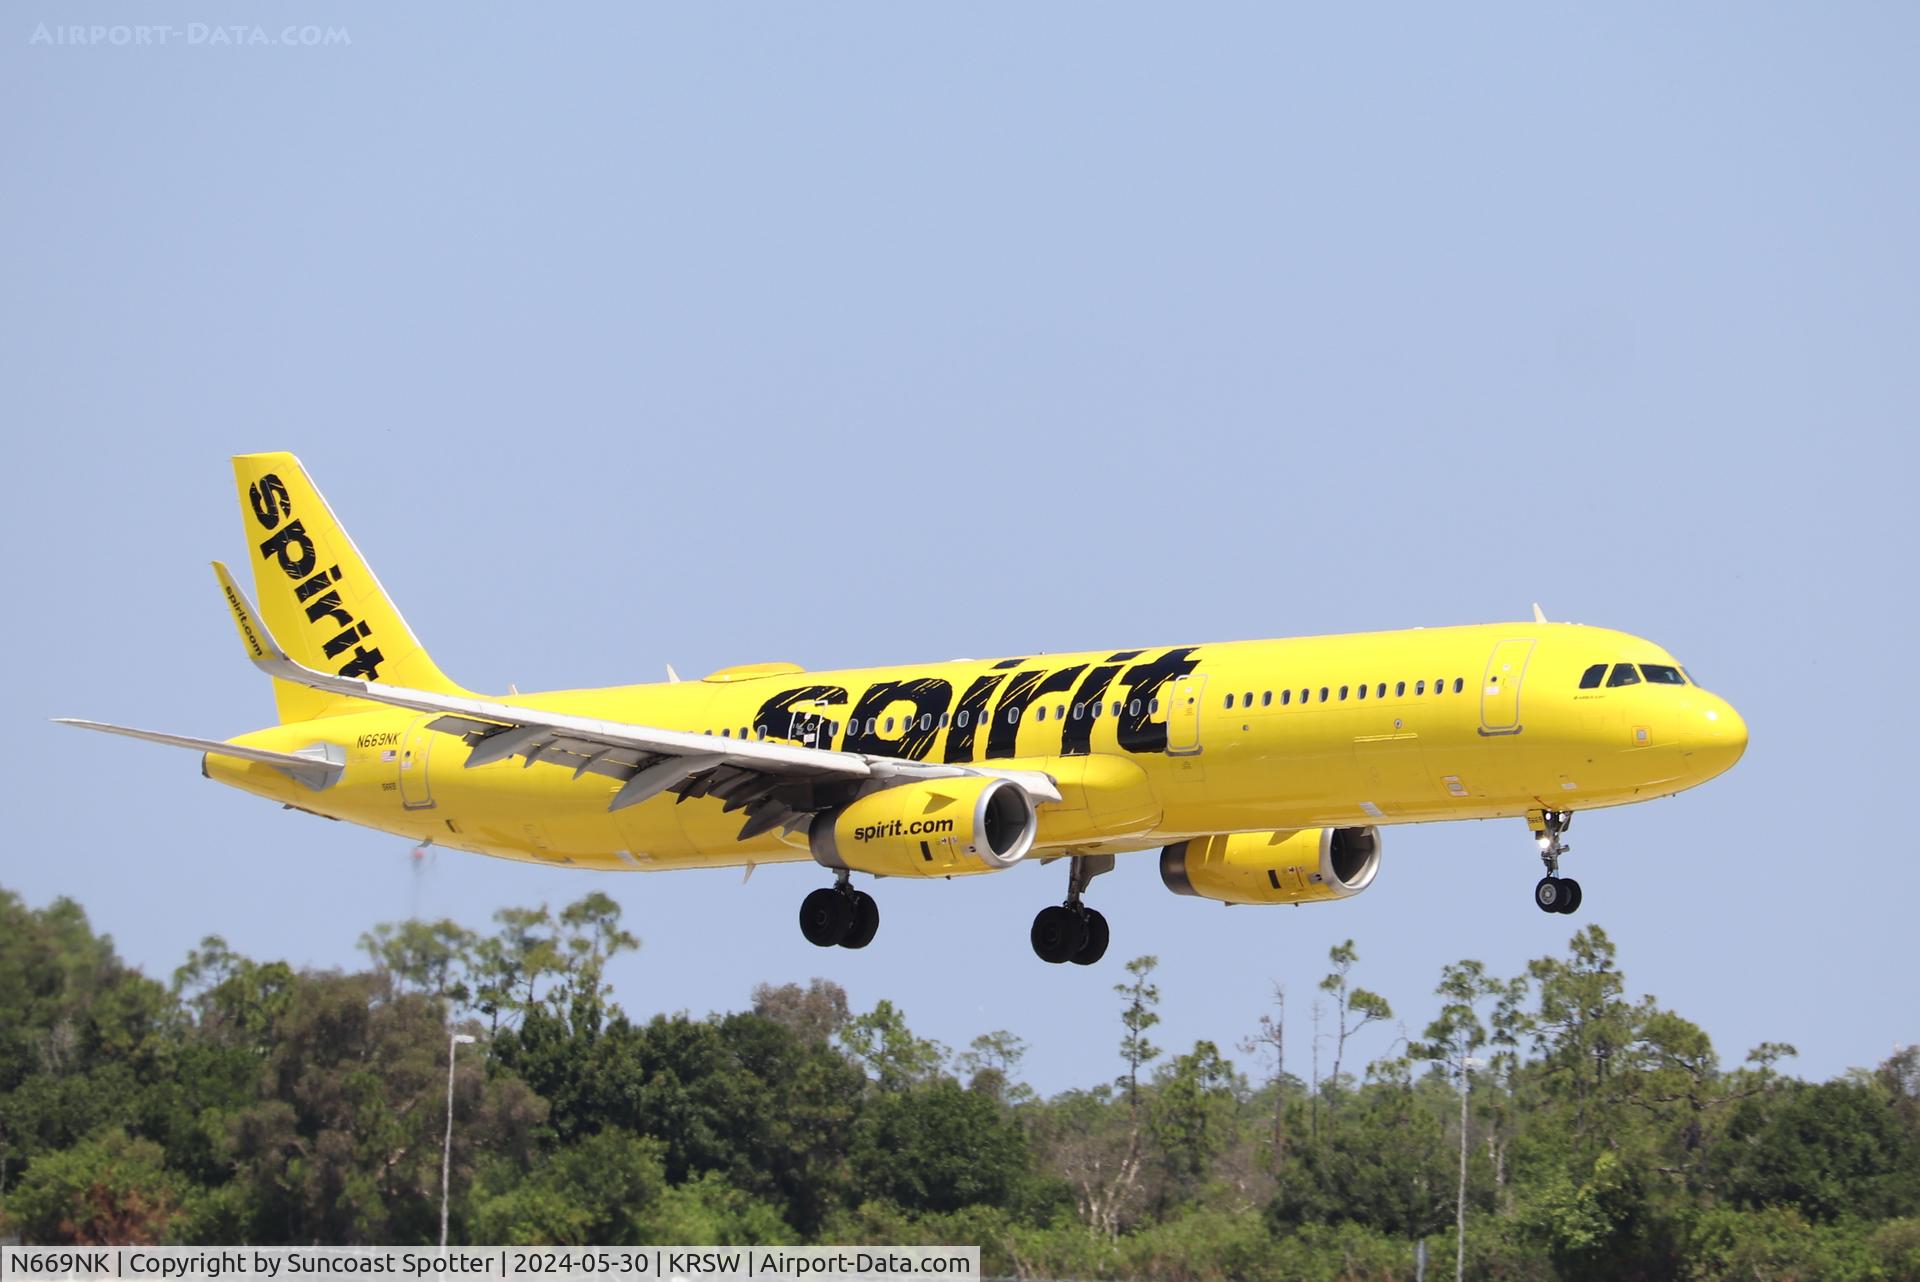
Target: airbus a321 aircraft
1262,771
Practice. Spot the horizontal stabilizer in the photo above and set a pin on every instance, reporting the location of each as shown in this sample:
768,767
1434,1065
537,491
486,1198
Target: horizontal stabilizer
315,771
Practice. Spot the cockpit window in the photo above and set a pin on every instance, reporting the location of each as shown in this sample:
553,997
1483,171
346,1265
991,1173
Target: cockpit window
1661,674
1623,675
1592,677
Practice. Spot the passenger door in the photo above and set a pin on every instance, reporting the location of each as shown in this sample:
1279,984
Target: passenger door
1500,687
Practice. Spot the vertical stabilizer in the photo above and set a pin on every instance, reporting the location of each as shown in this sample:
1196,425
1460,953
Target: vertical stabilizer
317,594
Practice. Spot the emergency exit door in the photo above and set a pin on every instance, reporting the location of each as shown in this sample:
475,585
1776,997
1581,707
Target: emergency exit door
1183,716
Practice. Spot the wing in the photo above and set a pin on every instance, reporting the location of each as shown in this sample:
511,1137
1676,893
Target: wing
778,785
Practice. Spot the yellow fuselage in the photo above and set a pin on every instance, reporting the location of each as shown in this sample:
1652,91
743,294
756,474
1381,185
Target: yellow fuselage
1146,746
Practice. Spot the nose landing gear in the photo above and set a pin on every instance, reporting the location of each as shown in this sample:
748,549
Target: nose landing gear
839,915
1553,893
1073,932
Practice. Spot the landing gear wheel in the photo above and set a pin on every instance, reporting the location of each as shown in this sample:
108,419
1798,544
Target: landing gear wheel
866,920
1549,893
1569,896
1095,946
1058,933
826,915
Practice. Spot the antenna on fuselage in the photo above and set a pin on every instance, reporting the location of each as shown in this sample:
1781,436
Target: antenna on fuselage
1539,615
672,676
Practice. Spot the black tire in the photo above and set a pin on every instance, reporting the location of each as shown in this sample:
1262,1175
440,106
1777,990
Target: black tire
825,916
1057,934
866,921
1569,896
1094,947
1548,894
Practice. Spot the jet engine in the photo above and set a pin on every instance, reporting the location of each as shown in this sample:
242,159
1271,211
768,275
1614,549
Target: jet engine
1274,867
933,828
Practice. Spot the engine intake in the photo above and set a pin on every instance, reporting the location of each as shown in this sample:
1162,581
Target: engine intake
935,828
1274,867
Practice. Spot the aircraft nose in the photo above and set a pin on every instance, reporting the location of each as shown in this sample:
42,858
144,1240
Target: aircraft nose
1719,738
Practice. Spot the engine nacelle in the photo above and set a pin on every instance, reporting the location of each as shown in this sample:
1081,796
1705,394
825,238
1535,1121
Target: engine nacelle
1274,867
935,828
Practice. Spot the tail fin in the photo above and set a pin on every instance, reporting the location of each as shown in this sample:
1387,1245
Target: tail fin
317,595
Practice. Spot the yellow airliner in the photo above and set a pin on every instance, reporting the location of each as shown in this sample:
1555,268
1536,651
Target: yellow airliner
1262,771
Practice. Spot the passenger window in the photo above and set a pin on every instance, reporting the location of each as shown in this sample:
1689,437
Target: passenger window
961,720
1459,684
1266,698
1399,689
1661,674
743,732
1153,708
889,725
1013,716
1363,689
1419,687
1246,700
1591,678
1286,697
1040,712
1303,695
1116,707
760,732
726,732
1343,692
1133,709
1323,694
943,721
1623,675
1228,703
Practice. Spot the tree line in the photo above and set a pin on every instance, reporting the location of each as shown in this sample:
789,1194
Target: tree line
1547,1125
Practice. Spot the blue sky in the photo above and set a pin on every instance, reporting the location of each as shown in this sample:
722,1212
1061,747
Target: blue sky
706,334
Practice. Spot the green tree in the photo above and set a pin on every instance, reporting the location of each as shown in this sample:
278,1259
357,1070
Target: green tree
430,958
109,1190
1138,1015
601,1190
1193,1113
1452,1038
939,1147
990,1063
892,1055
1354,1008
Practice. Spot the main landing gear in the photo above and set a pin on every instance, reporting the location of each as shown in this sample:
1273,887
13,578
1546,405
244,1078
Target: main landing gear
839,915
1553,893
1073,932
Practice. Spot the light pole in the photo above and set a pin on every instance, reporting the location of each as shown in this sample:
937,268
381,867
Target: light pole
1467,1064
446,1153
